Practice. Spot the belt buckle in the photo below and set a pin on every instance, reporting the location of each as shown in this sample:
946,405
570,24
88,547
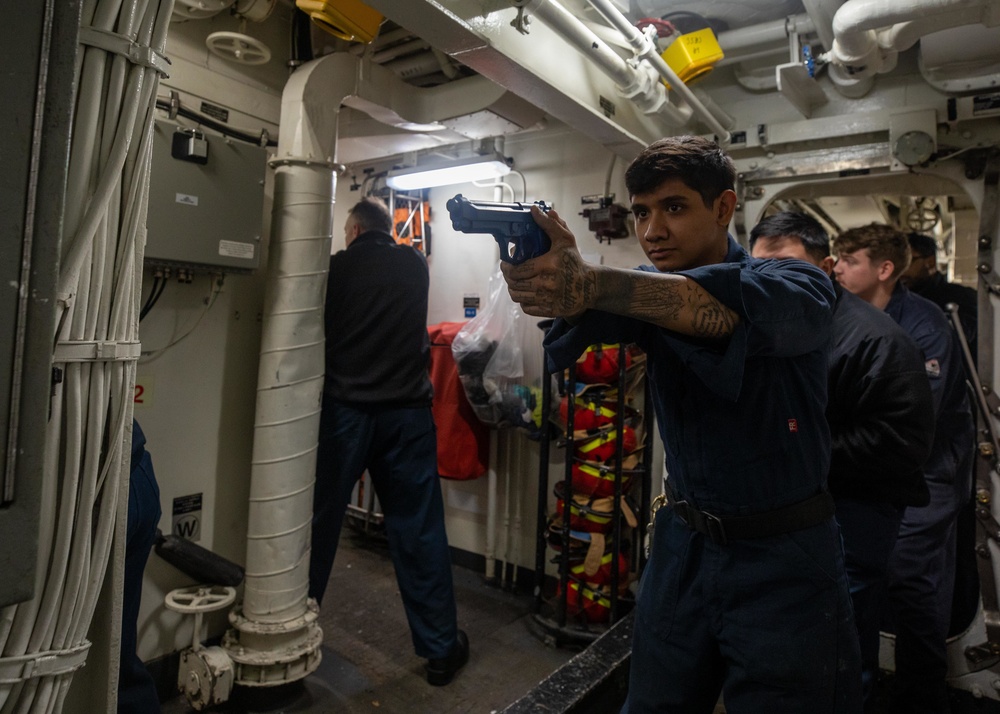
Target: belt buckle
716,531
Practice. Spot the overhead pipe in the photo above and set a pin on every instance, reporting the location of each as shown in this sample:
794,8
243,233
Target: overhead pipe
869,34
636,83
821,12
645,49
754,37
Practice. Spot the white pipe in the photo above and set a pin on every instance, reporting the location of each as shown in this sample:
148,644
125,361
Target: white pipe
856,47
515,550
753,37
904,35
289,387
507,469
572,29
647,51
821,12
404,48
634,83
276,622
491,506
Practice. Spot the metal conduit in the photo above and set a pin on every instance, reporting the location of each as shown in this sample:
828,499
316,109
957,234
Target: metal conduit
647,51
567,25
754,37
634,83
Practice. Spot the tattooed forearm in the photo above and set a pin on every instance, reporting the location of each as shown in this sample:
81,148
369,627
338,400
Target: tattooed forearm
712,319
581,286
670,301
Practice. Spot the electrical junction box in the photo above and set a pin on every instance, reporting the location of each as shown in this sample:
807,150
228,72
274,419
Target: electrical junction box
205,217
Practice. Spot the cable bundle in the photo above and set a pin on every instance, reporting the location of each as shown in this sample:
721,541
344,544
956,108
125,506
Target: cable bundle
94,351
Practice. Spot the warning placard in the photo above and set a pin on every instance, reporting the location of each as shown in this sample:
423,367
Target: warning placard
187,516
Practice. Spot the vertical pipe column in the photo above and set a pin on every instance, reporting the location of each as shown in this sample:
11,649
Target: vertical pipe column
289,391
276,638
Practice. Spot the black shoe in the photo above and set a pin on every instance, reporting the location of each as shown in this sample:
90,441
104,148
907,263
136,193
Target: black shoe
441,671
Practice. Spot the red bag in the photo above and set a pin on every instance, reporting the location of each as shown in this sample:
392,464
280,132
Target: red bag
463,440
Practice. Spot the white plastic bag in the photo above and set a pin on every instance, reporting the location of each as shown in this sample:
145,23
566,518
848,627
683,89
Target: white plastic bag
487,351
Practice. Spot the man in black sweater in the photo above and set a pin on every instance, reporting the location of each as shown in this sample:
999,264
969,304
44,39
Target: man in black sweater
882,422
377,416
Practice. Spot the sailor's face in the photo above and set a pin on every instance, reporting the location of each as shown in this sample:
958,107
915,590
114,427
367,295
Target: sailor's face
857,273
918,272
677,230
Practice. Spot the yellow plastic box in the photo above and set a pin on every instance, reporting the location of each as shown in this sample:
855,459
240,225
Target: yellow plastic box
693,55
349,20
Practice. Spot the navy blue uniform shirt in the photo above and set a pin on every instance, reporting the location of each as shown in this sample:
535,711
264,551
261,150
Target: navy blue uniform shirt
930,329
743,424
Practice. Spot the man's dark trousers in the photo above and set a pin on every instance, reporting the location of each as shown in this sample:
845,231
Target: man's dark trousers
399,449
869,530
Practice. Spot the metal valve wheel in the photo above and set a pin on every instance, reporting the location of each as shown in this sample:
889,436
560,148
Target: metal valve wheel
200,599
237,47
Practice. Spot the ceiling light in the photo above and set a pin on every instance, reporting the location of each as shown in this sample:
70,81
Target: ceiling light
475,168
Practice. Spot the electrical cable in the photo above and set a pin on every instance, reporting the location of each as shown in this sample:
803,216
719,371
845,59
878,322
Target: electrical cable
97,300
263,139
216,288
154,297
152,293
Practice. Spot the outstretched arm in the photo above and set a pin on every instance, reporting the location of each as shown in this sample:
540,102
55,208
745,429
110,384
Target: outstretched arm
560,284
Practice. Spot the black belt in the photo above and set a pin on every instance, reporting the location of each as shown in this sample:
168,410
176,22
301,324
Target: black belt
722,529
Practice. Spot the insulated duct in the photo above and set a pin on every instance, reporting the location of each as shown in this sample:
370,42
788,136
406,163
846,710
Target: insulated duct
275,638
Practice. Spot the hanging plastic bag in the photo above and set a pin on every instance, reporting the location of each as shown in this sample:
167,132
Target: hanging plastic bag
490,364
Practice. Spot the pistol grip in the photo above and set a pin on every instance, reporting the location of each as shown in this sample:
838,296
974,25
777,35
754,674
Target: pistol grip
522,248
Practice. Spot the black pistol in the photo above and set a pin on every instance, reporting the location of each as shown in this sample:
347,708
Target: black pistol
510,224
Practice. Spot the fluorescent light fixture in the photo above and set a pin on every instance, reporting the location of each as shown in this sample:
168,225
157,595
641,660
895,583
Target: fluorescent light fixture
475,168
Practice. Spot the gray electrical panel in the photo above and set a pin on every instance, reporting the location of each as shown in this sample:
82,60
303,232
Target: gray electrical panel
40,39
204,216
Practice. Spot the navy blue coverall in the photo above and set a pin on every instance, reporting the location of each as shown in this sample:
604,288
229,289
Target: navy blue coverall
136,689
767,621
922,566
